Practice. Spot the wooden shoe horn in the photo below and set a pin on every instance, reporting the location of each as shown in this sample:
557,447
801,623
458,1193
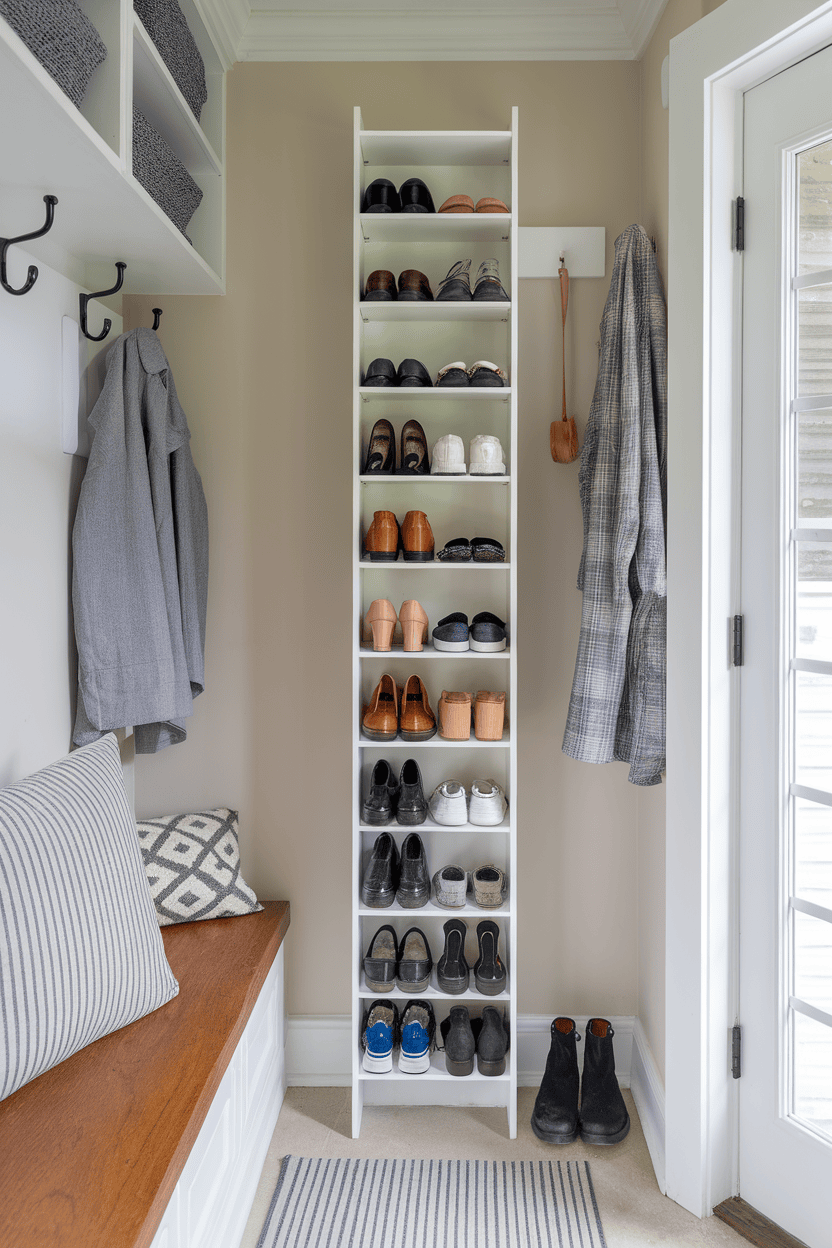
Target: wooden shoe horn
563,435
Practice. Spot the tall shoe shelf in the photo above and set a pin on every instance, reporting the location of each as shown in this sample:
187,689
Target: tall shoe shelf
477,163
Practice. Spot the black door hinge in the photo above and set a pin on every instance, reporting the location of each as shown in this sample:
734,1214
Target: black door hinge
736,1051
739,225
738,640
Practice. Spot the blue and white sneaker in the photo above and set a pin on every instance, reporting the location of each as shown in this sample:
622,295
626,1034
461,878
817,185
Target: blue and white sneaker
381,1023
418,1029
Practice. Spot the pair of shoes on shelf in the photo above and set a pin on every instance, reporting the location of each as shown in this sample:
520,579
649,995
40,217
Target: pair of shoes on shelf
393,710
404,799
381,453
456,284
383,372
487,886
457,711
464,203
389,878
487,633
464,1038
412,196
390,963
485,456
482,373
384,537
381,620
413,287
413,1032
453,974
449,804
603,1117
480,549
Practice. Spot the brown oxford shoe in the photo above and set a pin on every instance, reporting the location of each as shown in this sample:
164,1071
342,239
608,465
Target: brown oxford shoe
381,286
380,721
381,542
414,286
417,721
417,538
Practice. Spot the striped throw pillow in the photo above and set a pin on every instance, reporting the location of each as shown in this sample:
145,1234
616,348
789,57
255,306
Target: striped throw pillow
81,953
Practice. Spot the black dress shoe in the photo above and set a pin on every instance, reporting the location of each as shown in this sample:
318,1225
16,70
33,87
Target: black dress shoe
489,973
412,808
414,882
604,1118
413,373
380,373
555,1113
381,960
415,196
380,803
381,879
460,1045
492,1042
415,961
452,971
381,196
414,458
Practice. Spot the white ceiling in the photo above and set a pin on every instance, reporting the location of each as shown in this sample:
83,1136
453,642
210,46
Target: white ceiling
407,30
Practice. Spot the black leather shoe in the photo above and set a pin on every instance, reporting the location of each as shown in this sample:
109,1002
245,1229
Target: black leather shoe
380,803
489,973
492,1043
381,196
604,1118
413,373
412,808
414,458
452,970
415,196
555,1113
380,373
458,1038
415,961
414,882
381,453
382,960
381,879
456,284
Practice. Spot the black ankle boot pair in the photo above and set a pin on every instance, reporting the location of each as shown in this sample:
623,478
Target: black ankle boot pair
603,1117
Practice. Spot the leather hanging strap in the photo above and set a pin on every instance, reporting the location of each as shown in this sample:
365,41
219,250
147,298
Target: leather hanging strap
563,274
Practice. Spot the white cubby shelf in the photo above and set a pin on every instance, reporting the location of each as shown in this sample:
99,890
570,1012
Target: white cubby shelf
479,164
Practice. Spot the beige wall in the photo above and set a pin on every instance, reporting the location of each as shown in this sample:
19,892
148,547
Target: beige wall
265,377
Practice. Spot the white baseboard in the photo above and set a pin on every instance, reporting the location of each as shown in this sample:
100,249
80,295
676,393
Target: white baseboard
647,1087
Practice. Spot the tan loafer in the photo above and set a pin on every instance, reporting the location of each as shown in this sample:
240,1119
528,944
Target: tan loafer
414,622
381,718
417,537
381,619
381,542
417,720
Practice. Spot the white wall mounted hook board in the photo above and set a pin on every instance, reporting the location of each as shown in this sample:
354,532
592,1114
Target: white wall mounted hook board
540,249
83,368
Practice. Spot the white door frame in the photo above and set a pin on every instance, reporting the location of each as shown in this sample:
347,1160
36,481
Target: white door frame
711,65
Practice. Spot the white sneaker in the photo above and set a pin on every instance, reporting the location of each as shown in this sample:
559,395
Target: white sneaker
447,804
448,456
488,804
486,456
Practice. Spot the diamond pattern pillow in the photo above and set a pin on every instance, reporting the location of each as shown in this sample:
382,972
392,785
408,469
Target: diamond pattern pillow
192,864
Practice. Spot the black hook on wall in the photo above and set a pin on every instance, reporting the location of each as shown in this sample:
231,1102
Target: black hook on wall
84,300
6,243
157,316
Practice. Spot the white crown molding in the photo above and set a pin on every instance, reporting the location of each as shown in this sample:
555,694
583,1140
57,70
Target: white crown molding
225,21
640,18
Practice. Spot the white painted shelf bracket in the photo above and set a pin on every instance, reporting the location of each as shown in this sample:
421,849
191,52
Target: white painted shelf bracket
544,249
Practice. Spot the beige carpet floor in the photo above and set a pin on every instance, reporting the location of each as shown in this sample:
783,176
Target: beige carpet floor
315,1122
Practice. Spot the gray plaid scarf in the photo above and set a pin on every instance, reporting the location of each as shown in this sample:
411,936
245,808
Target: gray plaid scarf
617,707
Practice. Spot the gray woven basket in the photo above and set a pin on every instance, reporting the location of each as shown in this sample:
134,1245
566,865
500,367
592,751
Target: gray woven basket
165,22
62,38
162,173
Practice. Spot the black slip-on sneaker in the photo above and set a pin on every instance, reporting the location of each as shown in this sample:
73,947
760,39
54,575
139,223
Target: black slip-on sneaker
381,196
415,196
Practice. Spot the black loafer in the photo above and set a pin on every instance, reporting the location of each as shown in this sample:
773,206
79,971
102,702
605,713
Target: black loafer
487,550
415,961
381,196
488,632
412,809
415,196
457,550
451,633
381,453
414,458
379,805
381,960
414,882
413,373
454,374
380,373
381,879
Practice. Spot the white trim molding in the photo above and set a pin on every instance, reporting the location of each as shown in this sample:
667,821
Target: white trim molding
647,1087
225,21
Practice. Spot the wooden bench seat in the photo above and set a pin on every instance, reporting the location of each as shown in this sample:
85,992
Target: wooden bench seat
91,1151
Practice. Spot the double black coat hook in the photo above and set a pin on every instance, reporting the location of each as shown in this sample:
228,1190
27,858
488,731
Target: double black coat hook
6,243
157,316
84,300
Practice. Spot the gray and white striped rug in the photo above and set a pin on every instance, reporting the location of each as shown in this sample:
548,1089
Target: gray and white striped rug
348,1203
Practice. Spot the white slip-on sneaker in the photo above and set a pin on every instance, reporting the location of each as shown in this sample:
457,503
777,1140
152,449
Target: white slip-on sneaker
448,457
448,804
486,456
488,804
450,886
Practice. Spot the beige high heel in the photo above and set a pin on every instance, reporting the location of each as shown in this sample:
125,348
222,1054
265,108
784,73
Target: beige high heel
414,621
381,618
